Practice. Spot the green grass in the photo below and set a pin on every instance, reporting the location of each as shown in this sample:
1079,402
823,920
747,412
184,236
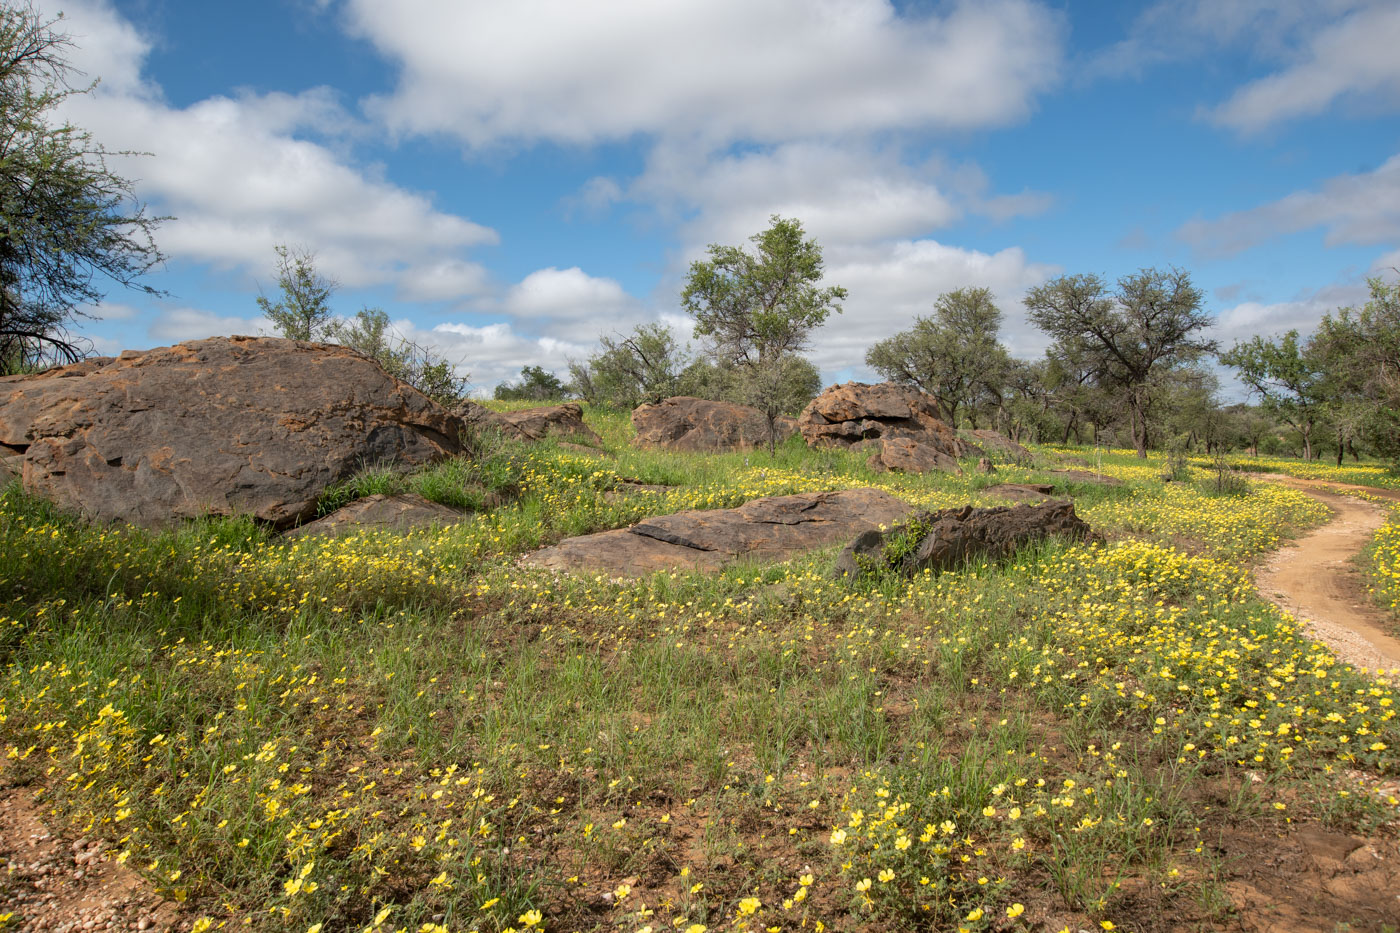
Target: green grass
415,725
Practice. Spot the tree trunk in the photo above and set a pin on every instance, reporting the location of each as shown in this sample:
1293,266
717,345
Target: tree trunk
1138,417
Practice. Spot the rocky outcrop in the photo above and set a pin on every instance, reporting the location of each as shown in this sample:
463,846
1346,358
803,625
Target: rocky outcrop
770,529
898,424
998,446
949,538
531,424
906,455
700,425
400,513
252,425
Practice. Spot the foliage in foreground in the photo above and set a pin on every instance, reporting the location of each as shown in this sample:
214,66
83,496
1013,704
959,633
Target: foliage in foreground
392,733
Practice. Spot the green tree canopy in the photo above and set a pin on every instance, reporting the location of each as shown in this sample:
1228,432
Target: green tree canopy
303,312
954,355
1126,337
1288,377
68,223
1360,351
759,308
643,366
536,384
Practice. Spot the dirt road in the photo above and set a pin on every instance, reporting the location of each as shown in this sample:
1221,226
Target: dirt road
1316,579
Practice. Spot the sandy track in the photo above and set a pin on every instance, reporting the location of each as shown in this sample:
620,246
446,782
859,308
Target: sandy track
1315,578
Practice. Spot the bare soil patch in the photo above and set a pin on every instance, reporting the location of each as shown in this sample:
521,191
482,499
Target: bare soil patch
1316,578
56,885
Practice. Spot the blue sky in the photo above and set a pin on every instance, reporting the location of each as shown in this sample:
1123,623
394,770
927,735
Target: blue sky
510,180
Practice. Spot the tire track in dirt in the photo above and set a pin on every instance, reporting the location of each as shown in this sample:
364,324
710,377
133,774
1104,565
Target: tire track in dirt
1316,579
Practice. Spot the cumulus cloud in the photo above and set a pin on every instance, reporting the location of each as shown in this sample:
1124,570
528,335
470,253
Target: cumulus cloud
892,284
570,303
1355,56
1361,209
714,70
240,173
173,325
1301,313
489,354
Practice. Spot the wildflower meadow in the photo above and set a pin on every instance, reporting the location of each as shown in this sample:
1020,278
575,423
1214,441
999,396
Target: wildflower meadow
386,732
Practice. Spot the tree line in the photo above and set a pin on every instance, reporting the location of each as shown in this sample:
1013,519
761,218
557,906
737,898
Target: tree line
1129,361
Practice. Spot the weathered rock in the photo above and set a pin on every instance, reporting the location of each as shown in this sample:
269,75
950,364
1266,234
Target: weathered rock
697,424
11,463
771,529
1021,492
401,513
906,455
998,446
1084,476
255,425
530,424
900,422
984,465
949,538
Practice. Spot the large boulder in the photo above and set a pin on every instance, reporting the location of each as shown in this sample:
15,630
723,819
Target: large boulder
770,529
248,425
400,513
949,538
700,425
899,424
531,424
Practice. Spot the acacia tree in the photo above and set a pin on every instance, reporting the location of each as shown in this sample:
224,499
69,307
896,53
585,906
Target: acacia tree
759,309
1360,348
303,312
1127,337
643,366
422,367
954,355
67,222
1287,376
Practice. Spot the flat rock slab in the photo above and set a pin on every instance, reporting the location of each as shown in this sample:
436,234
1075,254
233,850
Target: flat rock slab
1084,476
1021,492
401,513
998,446
770,529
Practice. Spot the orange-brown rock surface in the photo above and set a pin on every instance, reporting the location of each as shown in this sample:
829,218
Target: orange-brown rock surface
255,425
770,529
697,424
898,424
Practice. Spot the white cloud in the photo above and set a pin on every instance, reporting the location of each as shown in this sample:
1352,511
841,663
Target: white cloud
239,174
1362,208
1301,313
892,284
1356,56
494,353
176,324
1176,30
712,70
445,280
570,303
